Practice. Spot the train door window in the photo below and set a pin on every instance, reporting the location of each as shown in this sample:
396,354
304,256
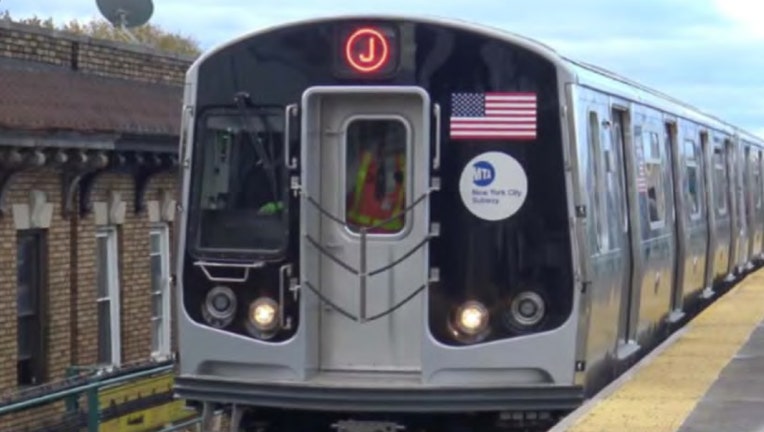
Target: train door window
746,174
595,157
757,178
611,191
720,181
653,173
692,182
375,174
617,146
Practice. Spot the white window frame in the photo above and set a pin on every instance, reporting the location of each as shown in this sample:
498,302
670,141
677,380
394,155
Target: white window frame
163,231
407,221
112,263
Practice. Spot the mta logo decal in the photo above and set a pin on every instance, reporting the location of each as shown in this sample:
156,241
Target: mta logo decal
483,173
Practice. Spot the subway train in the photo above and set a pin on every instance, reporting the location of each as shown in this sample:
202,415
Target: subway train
390,222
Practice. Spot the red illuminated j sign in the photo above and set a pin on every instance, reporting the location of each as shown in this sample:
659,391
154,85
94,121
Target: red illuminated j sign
367,50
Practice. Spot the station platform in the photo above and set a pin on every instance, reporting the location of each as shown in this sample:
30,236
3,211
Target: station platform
708,376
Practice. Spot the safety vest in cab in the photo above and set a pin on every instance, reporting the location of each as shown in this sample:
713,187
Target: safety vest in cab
367,207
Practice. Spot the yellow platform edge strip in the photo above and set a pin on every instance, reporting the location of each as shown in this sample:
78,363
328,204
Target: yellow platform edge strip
661,394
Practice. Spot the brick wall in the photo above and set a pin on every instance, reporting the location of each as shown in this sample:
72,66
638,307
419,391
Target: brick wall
98,57
134,277
72,306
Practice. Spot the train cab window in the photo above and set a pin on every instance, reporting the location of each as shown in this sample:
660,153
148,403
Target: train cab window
692,181
240,194
376,175
720,181
653,172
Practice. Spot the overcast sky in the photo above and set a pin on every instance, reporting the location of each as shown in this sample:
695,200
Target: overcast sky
707,52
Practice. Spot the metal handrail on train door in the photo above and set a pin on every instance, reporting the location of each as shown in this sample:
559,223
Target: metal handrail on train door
362,271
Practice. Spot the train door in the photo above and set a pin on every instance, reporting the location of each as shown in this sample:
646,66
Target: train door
629,309
751,204
608,239
744,190
708,171
759,185
722,227
731,184
372,150
756,204
678,168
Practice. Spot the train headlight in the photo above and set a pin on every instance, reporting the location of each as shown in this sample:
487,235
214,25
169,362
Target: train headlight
263,317
264,314
219,307
526,310
471,318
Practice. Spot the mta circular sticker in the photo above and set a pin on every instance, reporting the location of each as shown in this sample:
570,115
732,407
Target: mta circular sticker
493,186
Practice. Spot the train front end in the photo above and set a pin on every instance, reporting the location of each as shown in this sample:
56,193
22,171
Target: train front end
374,222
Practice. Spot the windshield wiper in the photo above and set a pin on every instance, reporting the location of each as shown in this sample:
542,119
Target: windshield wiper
242,98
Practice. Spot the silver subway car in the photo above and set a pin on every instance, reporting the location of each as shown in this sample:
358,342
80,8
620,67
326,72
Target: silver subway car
394,222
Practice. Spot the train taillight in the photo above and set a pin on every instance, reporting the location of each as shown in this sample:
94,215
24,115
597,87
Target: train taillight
219,307
525,311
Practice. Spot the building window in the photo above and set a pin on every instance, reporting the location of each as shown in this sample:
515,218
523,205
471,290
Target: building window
108,297
376,174
160,293
31,281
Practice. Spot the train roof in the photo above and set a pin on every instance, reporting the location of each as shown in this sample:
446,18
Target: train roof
584,73
620,86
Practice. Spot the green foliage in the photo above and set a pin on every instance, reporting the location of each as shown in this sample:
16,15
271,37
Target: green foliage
148,34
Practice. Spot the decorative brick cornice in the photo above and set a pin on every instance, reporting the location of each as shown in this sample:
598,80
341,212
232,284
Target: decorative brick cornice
89,55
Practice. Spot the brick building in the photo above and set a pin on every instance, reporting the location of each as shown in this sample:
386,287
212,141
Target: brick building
88,165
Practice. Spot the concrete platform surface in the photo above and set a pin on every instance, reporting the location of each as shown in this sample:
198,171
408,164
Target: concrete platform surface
709,376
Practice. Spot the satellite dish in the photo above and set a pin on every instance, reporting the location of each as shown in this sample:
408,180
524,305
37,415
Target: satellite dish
126,13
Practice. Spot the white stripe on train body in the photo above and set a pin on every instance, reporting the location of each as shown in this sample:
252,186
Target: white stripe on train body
543,250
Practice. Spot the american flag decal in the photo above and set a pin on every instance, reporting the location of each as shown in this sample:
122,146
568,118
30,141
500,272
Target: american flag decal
496,115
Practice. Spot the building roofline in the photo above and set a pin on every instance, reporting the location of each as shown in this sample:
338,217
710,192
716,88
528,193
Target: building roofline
9,25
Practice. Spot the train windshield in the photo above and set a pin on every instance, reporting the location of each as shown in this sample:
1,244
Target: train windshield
239,194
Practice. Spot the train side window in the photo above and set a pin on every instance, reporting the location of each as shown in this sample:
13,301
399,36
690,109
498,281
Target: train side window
720,181
595,152
376,174
654,175
692,186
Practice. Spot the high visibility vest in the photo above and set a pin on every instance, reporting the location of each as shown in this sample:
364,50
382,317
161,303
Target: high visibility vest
270,207
365,208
